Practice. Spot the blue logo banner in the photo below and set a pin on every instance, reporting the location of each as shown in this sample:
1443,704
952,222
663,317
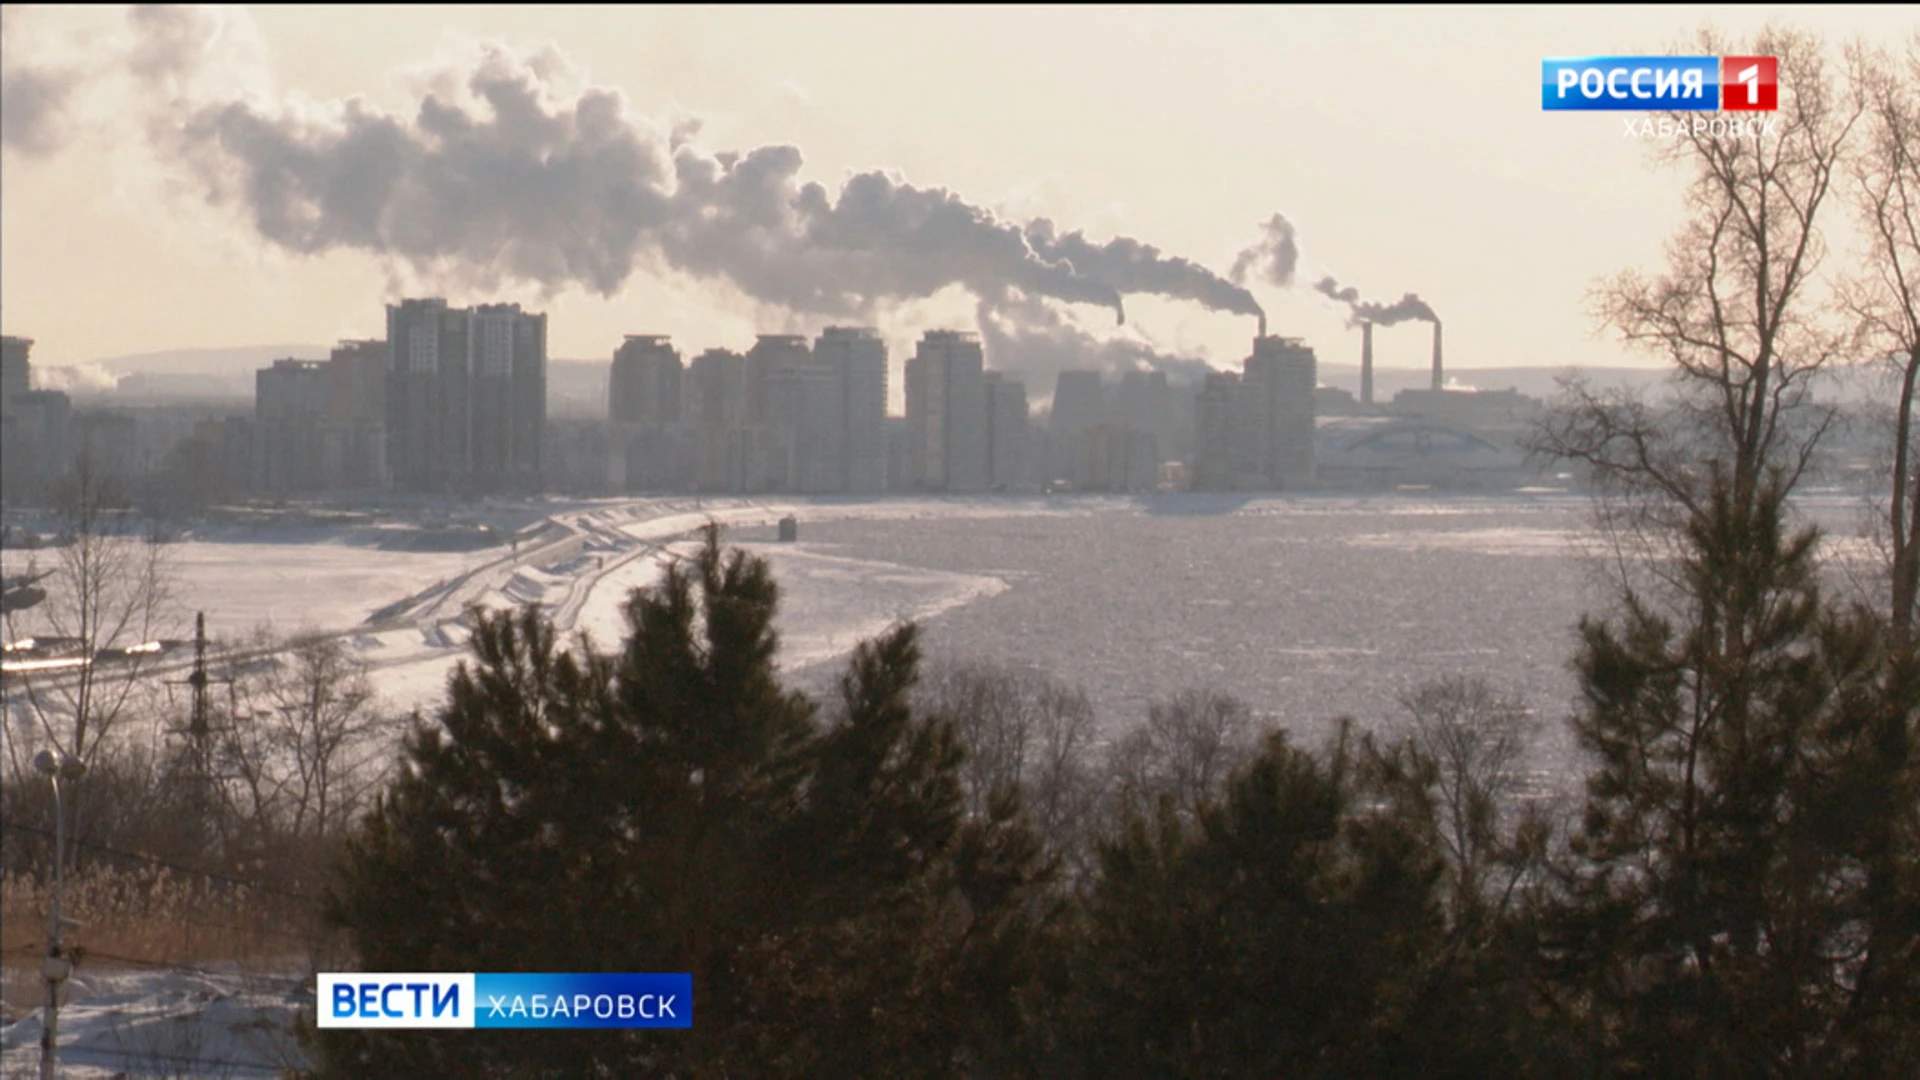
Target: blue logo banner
504,1000
582,1001
1640,83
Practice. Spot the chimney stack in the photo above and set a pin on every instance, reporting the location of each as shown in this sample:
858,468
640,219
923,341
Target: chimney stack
1366,363
1263,324
1438,381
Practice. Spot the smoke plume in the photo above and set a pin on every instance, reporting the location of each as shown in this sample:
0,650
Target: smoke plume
1133,267
1407,307
1046,343
509,169
33,95
1273,258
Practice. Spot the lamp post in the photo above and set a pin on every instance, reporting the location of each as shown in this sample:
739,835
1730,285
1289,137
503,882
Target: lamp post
56,765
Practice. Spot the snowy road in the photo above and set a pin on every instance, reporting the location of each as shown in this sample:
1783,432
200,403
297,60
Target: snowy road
578,566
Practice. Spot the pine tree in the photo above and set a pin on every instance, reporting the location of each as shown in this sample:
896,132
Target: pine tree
1723,917
674,808
1295,931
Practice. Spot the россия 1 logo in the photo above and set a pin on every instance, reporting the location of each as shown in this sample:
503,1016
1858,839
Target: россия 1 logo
1657,83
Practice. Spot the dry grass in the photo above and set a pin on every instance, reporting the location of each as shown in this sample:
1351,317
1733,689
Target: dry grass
141,920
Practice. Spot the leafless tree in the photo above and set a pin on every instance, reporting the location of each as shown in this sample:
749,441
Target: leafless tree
991,710
1884,297
1694,708
306,744
108,594
1475,738
1736,312
1024,732
1185,751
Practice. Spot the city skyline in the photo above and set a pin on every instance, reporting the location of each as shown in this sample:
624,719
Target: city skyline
1439,159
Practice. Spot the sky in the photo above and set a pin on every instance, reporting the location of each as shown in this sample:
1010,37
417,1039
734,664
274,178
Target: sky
207,178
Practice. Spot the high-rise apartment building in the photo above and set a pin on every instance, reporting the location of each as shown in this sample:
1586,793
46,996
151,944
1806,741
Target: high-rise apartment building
16,377
859,359
353,432
770,355
1148,401
1282,373
643,386
1007,440
808,407
768,433
466,396
1215,437
946,412
290,401
1079,402
648,446
321,424
1254,431
36,428
715,408
1079,405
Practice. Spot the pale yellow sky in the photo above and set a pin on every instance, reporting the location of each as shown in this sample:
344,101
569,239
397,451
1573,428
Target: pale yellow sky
1407,146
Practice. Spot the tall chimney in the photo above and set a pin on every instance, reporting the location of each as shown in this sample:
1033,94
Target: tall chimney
1438,381
1366,363
1263,324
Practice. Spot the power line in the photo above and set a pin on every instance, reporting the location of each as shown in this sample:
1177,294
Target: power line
165,965
288,935
131,1056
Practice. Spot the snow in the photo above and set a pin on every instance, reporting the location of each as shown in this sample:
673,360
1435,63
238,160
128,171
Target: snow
1510,541
160,1023
406,614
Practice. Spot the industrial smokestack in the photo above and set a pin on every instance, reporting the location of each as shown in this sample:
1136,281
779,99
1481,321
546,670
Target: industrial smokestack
1366,363
1263,325
1438,380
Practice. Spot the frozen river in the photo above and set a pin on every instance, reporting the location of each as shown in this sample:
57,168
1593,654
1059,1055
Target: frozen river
1308,608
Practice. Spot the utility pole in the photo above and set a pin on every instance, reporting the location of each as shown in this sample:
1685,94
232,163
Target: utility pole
56,765
199,727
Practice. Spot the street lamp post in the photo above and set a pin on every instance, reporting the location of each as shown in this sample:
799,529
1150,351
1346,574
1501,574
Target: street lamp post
56,765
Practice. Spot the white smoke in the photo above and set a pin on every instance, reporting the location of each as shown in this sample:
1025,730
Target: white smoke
511,169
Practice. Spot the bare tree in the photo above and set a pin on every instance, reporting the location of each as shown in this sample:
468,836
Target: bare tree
991,710
1188,747
1062,791
1024,732
1475,738
1885,296
107,598
1735,312
1749,823
306,744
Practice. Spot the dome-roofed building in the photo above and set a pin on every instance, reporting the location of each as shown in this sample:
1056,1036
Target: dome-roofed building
1383,452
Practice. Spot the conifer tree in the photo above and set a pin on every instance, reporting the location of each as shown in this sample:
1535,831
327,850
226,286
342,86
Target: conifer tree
1743,897
1296,930
1723,921
674,808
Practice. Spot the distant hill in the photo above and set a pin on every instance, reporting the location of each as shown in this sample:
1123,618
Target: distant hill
173,375
578,388
238,360
1535,382
1845,383
575,388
